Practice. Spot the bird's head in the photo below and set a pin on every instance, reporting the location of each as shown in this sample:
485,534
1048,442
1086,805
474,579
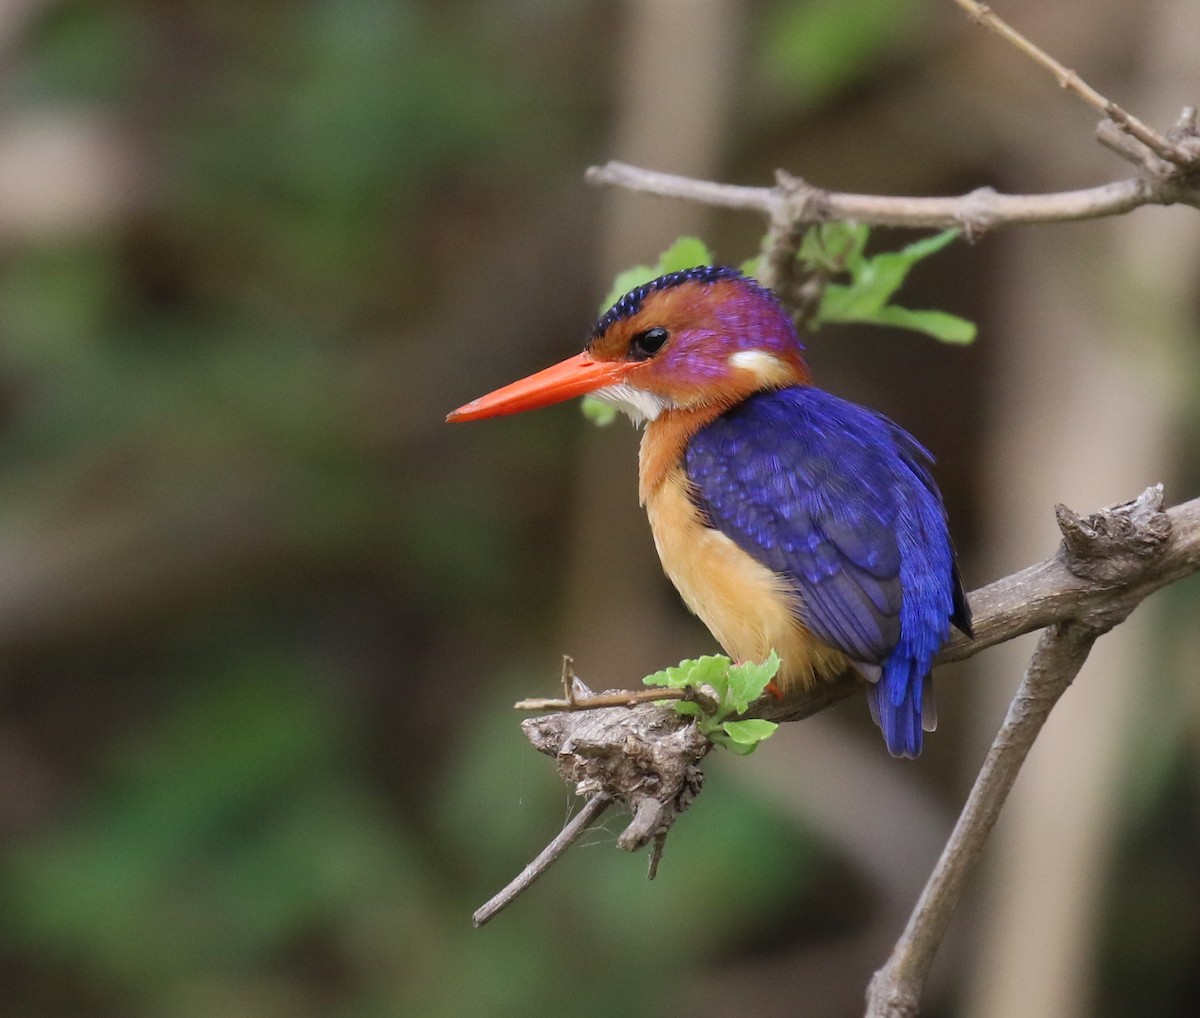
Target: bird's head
701,337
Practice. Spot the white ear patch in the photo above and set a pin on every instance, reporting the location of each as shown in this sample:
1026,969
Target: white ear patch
765,366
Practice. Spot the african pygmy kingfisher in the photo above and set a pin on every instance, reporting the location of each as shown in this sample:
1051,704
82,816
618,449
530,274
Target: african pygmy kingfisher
788,519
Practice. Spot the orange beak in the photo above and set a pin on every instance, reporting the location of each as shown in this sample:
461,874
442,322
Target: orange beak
573,377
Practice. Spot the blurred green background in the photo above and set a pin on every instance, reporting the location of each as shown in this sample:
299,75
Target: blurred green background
263,615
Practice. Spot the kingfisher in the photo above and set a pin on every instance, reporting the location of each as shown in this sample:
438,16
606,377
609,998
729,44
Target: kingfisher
787,518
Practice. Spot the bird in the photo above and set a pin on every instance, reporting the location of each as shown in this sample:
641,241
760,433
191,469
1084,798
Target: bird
789,519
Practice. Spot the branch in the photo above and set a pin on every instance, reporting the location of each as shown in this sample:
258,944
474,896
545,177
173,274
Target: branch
591,811
798,285
577,696
1128,550
1169,173
647,756
644,756
1171,151
1108,563
895,990
797,202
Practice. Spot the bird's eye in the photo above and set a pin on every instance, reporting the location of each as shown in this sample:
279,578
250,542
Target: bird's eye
648,343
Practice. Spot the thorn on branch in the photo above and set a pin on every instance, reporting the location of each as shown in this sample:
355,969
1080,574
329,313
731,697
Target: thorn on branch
648,818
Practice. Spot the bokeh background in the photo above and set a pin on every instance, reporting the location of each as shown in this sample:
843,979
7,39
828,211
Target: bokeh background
263,615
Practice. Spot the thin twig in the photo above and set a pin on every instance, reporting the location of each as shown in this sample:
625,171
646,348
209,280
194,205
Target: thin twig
799,286
1160,145
617,698
656,854
578,696
672,185
895,991
580,822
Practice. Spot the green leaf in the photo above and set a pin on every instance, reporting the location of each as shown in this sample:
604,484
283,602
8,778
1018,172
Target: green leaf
720,738
685,253
665,677
836,247
736,686
921,249
748,680
598,412
873,283
842,303
750,731
710,670
938,324
886,272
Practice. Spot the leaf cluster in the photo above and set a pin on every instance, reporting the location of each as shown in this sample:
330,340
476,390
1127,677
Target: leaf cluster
733,687
838,250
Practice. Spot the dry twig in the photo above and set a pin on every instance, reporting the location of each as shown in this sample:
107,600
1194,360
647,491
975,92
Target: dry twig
1169,150
580,822
798,202
577,696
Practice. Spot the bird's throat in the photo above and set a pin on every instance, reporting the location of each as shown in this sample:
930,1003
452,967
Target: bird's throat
664,441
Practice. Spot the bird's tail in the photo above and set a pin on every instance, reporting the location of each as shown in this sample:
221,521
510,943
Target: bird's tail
902,706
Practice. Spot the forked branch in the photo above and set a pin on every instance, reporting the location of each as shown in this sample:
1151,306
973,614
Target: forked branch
1178,151
1117,549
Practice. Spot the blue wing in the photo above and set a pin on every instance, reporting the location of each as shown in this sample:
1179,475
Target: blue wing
839,500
